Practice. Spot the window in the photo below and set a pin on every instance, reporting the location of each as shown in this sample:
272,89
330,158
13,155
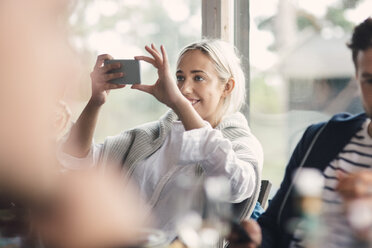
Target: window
301,70
294,51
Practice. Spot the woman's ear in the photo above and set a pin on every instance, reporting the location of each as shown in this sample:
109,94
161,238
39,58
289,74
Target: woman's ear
228,88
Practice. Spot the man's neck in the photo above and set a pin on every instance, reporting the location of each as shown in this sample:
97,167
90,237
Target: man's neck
370,129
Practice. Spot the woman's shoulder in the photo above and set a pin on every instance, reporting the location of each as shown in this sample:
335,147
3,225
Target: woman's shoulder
235,128
235,125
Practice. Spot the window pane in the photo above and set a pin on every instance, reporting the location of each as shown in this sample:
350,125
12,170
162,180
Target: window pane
122,29
301,70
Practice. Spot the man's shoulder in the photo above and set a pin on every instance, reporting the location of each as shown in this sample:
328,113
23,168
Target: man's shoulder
339,122
347,117
328,138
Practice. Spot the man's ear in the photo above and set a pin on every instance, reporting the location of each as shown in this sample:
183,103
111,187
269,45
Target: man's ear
228,88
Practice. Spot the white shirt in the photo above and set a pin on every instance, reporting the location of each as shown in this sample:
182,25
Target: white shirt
157,177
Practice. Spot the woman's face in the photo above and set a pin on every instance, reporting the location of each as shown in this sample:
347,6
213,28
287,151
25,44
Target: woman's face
198,81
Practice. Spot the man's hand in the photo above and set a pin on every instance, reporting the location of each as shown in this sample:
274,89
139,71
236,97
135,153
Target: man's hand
356,190
355,186
253,230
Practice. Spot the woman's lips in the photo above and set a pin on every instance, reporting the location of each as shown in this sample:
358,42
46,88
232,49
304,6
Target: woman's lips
193,101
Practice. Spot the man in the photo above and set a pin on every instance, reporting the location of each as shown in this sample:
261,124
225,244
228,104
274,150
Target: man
341,149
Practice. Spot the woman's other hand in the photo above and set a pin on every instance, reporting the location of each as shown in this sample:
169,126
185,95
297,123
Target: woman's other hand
100,79
165,89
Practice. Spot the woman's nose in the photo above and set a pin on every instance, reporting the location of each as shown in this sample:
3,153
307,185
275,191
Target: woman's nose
186,87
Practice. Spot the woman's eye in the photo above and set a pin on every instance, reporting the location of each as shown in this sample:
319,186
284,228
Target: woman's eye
198,78
368,81
180,78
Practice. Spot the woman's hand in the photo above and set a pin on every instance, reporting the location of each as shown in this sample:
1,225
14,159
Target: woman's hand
100,79
80,139
165,89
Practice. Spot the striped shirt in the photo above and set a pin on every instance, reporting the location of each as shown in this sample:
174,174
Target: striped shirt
355,156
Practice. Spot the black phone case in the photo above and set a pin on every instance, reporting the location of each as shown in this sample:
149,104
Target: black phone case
130,68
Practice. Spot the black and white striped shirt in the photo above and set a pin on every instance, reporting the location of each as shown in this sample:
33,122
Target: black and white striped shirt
355,156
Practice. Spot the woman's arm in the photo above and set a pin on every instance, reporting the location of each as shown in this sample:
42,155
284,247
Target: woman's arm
166,90
188,115
80,139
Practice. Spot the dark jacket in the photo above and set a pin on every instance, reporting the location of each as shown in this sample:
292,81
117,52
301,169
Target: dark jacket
334,135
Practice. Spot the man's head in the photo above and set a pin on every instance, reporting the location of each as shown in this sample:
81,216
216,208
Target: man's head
361,46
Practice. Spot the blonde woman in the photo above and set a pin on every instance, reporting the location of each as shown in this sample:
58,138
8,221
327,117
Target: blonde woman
203,129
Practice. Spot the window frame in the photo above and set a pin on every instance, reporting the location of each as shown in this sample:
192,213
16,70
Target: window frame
229,20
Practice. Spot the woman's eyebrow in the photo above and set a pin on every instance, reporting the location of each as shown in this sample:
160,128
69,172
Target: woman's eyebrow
197,71
193,71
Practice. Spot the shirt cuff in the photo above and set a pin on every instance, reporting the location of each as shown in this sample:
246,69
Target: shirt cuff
194,146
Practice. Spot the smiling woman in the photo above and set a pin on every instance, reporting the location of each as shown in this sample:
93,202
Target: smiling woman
199,83
202,134
220,59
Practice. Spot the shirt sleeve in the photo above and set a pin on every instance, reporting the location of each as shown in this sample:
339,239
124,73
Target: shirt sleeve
221,157
70,162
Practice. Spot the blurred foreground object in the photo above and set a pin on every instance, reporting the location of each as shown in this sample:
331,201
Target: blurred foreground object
207,229
36,67
356,190
36,200
309,184
90,210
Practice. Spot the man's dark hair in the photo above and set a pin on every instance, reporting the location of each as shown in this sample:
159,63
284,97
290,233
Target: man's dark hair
361,39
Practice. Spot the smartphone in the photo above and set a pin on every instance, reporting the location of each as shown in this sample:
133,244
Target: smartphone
130,68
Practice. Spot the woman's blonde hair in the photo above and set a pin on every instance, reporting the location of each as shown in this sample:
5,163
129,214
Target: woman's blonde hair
228,66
